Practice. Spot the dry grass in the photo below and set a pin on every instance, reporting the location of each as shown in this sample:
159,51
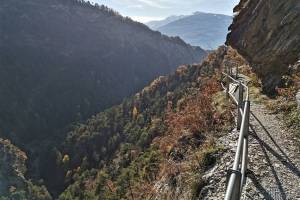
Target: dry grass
203,113
197,116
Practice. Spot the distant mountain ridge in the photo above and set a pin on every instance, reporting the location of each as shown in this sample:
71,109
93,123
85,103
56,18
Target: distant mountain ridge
206,30
159,23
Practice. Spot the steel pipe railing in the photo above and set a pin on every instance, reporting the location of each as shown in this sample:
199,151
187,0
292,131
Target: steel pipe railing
237,176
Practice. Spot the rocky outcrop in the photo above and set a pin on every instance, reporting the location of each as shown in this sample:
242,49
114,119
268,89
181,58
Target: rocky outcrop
13,184
12,167
267,34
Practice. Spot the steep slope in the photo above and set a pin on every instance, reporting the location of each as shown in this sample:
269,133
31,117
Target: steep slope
200,29
267,34
156,144
127,144
63,60
124,150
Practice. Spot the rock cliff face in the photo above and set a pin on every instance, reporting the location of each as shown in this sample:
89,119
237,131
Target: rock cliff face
267,34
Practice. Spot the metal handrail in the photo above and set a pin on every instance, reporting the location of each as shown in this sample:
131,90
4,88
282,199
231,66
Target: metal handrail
237,176
239,82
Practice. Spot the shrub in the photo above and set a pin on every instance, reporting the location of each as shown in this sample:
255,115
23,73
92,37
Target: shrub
197,116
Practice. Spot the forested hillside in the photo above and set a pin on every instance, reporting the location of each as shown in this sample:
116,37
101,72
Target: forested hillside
125,149
123,152
61,61
64,60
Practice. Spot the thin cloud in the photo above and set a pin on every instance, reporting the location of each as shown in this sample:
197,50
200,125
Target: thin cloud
145,19
153,4
135,6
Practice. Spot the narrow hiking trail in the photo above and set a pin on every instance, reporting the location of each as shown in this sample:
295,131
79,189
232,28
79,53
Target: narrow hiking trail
274,160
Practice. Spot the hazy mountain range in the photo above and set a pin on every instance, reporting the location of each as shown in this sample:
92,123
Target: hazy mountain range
159,23
206,30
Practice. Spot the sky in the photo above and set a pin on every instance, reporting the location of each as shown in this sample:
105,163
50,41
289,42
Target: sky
148,10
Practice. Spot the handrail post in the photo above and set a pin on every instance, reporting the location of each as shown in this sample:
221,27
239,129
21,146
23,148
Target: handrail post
240,105
227,87
245,146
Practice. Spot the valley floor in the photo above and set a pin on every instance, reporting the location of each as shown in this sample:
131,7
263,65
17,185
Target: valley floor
274,160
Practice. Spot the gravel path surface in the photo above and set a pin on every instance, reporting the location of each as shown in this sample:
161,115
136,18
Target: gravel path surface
274,161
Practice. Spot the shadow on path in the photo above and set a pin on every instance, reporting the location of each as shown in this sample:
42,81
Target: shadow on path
285,160
269,135
269,162
258,186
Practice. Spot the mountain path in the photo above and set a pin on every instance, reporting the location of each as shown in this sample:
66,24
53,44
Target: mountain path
274,160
